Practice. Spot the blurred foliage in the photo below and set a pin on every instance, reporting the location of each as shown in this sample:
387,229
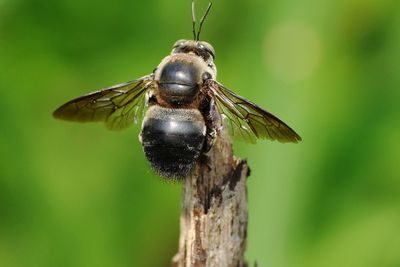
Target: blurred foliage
78,195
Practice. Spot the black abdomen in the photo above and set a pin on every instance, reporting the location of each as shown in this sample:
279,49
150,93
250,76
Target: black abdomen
172,140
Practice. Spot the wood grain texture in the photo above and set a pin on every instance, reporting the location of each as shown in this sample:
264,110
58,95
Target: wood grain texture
214,210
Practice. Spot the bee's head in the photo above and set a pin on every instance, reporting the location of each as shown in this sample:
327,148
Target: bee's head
199,48
195,46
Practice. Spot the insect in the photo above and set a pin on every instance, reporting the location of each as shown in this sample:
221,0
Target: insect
178,99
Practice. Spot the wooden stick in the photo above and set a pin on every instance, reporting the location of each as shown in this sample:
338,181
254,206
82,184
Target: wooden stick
214,210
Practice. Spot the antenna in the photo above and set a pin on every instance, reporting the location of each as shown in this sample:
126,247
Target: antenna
193,21
203,19
196,37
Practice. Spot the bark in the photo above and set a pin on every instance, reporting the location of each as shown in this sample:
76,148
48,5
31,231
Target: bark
214,210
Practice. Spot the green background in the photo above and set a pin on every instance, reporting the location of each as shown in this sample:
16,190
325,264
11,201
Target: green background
79,195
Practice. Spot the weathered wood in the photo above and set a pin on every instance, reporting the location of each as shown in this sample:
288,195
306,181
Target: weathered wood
214,210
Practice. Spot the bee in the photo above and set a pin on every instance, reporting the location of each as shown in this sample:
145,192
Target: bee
179,100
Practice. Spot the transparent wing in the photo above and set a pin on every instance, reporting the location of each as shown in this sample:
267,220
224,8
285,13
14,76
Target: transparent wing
247,121
118,106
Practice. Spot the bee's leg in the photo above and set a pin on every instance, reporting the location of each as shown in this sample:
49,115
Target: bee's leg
208,144
210,139
211,119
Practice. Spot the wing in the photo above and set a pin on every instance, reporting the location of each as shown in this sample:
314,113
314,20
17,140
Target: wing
247,121
118,106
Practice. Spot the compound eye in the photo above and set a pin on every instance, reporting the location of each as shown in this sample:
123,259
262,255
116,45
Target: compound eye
179,43
207,47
